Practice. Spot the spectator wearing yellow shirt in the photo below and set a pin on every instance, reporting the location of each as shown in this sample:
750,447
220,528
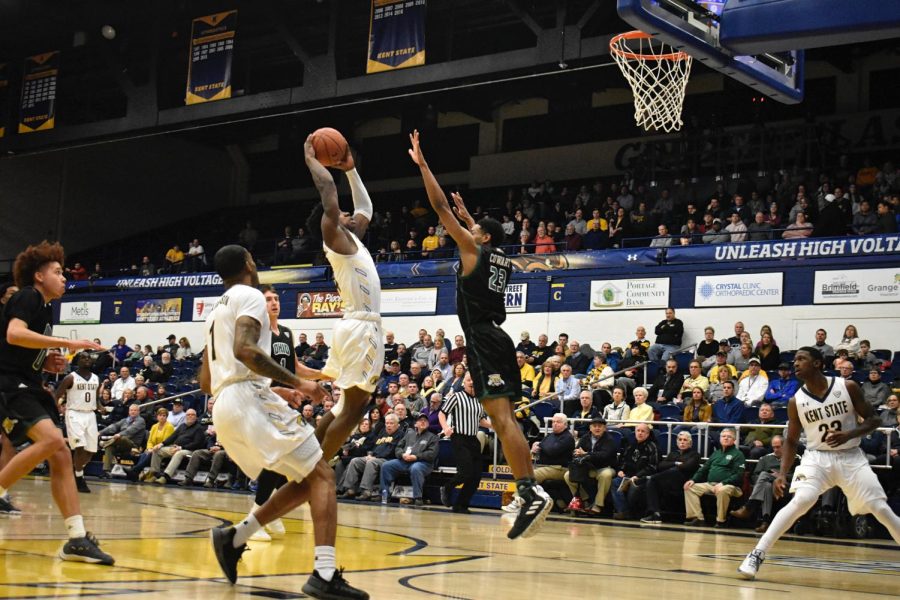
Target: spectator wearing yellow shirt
174,259
721,358
597,222
525,370
429,242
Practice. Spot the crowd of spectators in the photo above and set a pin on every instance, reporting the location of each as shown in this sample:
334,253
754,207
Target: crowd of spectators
606,446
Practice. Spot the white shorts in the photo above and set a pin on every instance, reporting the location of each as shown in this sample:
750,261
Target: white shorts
81,429
356,356
821,470
259,430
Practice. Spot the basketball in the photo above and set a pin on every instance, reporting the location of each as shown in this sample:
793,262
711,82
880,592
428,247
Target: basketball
330,146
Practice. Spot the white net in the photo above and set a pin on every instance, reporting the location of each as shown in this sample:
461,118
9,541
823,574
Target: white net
657,74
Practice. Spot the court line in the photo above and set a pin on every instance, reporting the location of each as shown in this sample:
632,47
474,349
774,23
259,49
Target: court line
731,584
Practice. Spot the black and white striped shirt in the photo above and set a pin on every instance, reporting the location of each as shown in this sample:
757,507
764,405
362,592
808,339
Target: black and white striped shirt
465,412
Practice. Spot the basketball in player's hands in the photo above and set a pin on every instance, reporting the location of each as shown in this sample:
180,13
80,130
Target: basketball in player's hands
331,148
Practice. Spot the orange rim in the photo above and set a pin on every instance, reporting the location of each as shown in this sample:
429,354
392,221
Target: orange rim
640,35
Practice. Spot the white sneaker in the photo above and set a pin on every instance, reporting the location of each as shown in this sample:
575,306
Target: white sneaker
751,564
276,529
260,536
513,506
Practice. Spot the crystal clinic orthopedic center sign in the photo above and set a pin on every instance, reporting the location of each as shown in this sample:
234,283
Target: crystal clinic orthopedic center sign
756,289
620,294
857,286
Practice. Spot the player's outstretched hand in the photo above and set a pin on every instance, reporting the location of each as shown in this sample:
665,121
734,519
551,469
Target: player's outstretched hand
312,390
83,345
460,210
346,163
55,362
309,153
415,153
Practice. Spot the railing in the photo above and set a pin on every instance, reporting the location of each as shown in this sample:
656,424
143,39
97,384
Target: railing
704,428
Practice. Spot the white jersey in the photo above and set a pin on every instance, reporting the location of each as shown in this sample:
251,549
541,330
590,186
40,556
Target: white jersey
821,416
357,280
238,301
82,395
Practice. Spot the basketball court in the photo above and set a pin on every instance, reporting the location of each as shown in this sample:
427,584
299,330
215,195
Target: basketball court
160,538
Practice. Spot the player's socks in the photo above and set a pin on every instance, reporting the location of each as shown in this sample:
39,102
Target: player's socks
75,527
244,529
887,517
79,473
325,562
525,487
3,492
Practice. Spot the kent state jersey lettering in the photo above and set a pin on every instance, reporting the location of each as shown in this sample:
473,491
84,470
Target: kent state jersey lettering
821,416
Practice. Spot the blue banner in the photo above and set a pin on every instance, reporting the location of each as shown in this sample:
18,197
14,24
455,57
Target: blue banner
209,61
869,245
37,110
396,35
198,280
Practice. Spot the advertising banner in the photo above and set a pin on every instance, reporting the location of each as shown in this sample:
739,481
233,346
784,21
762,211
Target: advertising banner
318,305
516,297
757,289
629,294
158,310
409,301
202,307
71,313
857,286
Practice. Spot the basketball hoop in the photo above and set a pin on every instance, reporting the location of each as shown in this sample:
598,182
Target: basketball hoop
657,74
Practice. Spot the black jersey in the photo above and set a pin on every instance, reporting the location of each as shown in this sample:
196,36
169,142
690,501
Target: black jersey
283,349
16,362
481,295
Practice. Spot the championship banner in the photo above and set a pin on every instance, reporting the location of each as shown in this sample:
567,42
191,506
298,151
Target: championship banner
158,310
4,95
396,35
202,307
319,305
72,313
209,67
38,107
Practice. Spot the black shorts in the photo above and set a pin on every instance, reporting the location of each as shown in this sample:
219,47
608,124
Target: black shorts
22,408
492,363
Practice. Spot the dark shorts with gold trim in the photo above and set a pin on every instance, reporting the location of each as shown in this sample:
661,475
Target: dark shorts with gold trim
492,362
23,407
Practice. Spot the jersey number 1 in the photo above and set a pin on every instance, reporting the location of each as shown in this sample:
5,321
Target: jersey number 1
212,340
497,282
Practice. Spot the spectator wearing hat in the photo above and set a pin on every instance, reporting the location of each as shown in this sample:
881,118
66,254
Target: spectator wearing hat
415,455
633,356
783,388
594,458
753,386
177,415
525,344
833,220
171,346
716,235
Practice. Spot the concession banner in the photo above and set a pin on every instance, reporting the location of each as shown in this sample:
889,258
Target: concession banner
158,310
37,110
209,64
396,35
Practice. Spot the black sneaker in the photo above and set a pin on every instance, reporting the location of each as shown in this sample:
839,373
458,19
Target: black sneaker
652,519
7,507
336,589
532,513
85,549
228,556
82,485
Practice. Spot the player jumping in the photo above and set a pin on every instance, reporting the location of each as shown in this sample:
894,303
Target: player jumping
480,292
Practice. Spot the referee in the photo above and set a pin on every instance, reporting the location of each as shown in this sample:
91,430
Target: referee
467,415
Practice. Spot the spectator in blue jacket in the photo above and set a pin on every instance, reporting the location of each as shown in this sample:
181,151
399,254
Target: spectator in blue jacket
729,409
782,389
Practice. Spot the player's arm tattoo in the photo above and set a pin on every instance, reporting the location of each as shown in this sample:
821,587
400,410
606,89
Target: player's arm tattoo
246,350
